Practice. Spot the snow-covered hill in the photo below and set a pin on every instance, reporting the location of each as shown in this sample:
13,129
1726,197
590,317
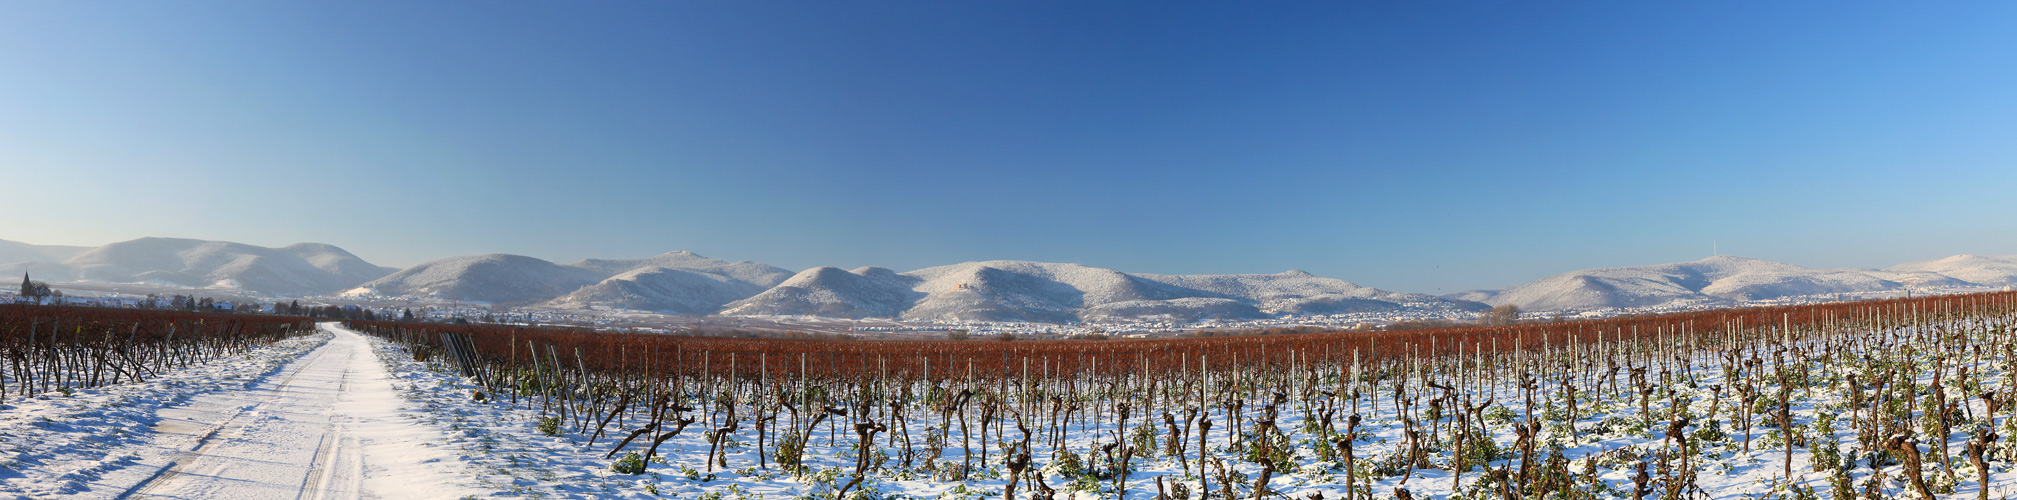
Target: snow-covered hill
1051,292
494,278
1707,281
301,269
1005,290
662,289
43,262
1000,290
1301,293
869,292
755,273
677,282
674,283
15,252
1985,270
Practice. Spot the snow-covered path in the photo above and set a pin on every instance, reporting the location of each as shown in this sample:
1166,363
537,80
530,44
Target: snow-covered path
324,426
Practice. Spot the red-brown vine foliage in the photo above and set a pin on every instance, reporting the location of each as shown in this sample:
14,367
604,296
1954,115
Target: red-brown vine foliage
945,359
44,348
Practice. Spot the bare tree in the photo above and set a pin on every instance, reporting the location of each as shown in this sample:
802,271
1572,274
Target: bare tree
1503,315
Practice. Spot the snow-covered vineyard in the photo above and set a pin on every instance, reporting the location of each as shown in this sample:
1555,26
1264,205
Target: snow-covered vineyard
1874,400
1890,399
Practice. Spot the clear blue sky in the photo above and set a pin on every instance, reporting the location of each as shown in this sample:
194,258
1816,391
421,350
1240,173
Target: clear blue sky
1426,146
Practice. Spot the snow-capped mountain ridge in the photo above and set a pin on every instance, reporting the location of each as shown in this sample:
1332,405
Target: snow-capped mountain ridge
299,269
492,278
15,252
999,290
1714,280
868,292
1005,290
1985,270
675,282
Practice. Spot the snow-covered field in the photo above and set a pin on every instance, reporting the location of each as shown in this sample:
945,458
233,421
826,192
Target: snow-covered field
309,414
344,415
56,445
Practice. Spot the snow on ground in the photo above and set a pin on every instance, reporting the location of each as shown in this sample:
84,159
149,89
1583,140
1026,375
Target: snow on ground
1609,439
311,414
397,428
57,445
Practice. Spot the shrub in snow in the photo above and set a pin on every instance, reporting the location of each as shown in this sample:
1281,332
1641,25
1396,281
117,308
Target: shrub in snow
1711,432
790,454
1144,442
631,463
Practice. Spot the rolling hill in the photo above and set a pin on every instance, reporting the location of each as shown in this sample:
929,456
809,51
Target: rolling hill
1985,270
677,282
999,290
1713,280
300,269
1063,293
868,292
493,278
15,252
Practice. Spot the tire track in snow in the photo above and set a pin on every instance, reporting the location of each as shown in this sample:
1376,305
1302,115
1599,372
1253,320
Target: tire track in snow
318,480
318,431
204,442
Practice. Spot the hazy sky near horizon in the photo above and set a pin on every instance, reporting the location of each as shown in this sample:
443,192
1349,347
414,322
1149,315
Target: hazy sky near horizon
1423,146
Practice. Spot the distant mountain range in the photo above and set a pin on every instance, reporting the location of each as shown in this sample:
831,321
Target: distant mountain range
300,269
1985,270
678,282
685,283
1725,279
14,251
1054,293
